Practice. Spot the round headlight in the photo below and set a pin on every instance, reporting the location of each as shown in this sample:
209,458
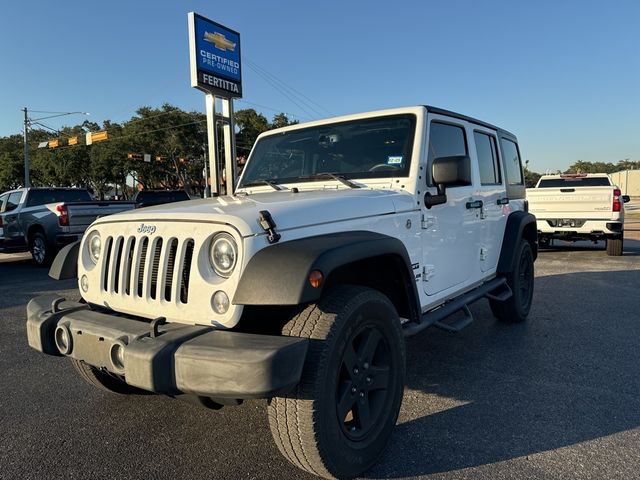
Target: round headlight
223,254
95,246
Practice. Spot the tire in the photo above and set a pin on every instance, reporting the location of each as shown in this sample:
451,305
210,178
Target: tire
339,419
41,251
521,282
104,381
614,246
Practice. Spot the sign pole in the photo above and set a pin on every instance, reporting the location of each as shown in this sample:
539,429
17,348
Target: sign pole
212,142
229,145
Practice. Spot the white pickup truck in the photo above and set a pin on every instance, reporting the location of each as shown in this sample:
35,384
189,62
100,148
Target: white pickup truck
582,206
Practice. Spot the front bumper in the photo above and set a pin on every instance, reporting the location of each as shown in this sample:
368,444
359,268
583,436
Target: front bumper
179,359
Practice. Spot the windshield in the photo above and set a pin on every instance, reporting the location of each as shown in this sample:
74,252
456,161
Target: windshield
369,148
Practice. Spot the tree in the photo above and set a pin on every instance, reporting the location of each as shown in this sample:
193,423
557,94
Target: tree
168,134
530,177
249,125
11,162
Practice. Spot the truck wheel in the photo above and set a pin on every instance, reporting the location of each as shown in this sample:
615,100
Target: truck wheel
103,380
614,246
340,417
41,251
520,280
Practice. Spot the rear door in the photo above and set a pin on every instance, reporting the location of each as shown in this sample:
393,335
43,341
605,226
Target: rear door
491,192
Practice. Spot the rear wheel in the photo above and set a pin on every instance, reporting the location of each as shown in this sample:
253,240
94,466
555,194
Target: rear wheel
614,246
520,280
104,380
41,251
340,417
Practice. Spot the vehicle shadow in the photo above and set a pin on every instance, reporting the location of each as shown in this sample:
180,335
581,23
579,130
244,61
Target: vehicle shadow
496,392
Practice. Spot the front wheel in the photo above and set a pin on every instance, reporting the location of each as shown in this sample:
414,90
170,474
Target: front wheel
340,417
520,280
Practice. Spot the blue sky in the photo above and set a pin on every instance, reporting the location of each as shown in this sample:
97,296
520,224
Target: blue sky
564,76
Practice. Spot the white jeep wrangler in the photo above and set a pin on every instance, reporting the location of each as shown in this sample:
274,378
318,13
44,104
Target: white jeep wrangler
343,237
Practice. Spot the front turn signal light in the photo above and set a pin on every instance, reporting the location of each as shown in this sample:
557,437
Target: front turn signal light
316,278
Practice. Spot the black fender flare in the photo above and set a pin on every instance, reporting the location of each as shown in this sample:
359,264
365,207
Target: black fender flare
65,265
279,274
519,225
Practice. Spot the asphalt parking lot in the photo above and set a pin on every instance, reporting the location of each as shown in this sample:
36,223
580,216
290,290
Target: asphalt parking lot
555,397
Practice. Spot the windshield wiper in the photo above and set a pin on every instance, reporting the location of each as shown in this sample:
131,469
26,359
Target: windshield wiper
334,176
263,181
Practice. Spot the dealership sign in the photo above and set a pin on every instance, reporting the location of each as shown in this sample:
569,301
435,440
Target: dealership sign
214,52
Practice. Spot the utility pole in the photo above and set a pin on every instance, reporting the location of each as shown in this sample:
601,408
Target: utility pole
27,182
27,122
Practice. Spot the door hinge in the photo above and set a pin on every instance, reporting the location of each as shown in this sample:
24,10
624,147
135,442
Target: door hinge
427,221
483,254
428,272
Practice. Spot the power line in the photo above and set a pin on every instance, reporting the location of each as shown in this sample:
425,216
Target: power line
278,110
286,85
283,91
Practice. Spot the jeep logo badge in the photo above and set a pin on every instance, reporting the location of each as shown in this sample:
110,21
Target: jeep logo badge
150,229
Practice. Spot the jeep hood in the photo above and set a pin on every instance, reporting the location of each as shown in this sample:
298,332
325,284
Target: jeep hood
288,210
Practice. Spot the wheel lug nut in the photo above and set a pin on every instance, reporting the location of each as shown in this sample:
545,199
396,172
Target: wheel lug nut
355,370
368,379
366,365
361,394
353,389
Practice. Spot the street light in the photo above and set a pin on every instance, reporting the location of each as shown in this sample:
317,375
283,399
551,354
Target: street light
27,122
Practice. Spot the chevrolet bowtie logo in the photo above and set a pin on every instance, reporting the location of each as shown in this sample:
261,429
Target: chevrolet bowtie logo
220,41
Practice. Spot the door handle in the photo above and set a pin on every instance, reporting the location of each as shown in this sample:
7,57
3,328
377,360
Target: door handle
475,204
502,201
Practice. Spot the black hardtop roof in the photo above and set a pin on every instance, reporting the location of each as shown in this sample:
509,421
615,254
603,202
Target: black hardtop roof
442,111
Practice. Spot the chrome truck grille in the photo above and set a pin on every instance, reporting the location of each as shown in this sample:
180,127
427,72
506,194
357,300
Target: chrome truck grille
149,268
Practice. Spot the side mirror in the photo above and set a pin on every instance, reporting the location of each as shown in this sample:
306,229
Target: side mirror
626,198
446,172
452,171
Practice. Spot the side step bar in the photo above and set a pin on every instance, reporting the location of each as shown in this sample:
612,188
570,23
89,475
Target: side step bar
496,289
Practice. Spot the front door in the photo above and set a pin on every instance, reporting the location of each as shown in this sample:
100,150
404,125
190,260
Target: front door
451,231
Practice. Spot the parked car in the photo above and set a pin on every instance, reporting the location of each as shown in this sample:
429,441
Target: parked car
149,198
344,237
42,220
582,206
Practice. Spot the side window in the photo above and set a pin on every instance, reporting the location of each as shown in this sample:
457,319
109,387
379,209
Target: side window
37,197
512,163
487,151
12,201
445,140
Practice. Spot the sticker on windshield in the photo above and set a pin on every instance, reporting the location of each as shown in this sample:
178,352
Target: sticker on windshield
394,160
